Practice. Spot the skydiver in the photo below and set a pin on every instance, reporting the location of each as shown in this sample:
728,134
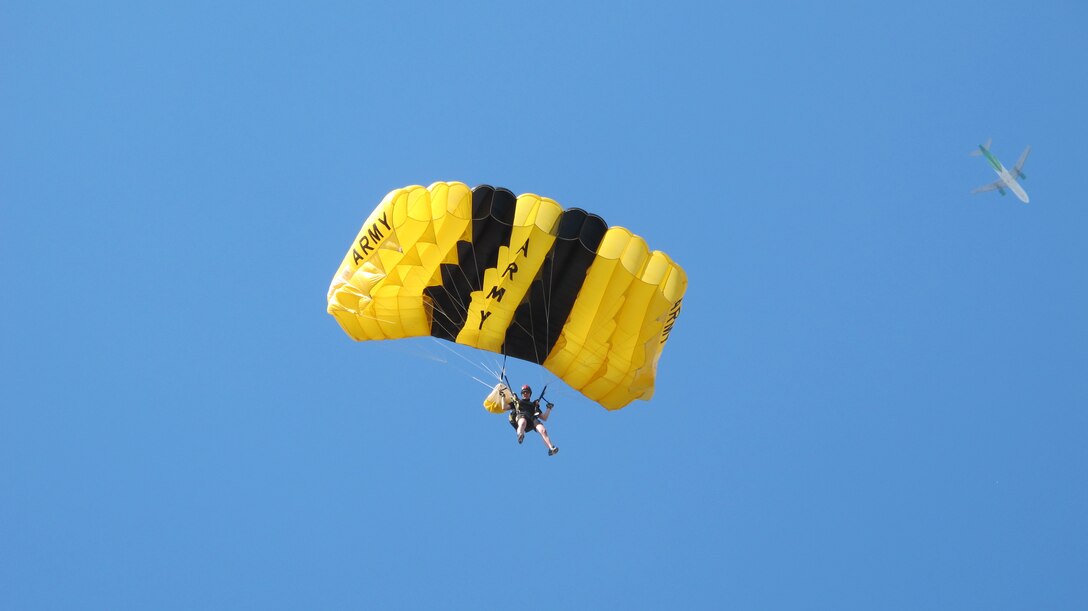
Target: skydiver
525,414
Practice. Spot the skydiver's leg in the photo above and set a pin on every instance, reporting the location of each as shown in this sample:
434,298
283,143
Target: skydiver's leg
544,435
522,423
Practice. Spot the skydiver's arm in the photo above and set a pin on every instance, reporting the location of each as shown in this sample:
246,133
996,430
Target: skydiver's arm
544,415
507,402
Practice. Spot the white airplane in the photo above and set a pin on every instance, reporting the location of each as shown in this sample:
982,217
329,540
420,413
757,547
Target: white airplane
1007,178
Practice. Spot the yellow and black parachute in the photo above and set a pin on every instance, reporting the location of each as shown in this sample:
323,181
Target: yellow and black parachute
515,275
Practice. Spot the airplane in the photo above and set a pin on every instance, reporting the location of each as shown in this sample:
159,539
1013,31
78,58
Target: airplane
1007,178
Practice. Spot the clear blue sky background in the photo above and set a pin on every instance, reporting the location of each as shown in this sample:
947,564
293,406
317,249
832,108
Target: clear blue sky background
875,397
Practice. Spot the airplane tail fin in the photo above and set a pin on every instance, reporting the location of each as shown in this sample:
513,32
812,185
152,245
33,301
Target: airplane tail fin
978,151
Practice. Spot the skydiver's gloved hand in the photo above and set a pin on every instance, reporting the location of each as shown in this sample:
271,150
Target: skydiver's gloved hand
550,405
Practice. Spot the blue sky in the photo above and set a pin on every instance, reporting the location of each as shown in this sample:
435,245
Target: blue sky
874,398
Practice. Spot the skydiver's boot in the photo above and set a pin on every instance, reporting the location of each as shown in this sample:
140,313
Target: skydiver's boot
553,451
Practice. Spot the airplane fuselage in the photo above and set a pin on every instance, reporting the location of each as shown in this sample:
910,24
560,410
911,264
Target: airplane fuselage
1005,175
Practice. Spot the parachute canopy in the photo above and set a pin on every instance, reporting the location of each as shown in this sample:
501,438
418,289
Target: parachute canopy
514,275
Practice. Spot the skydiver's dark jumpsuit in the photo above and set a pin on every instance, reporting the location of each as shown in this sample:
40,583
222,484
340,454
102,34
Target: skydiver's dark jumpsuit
527,409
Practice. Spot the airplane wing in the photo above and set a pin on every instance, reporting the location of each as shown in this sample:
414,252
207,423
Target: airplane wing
998,185
1020,163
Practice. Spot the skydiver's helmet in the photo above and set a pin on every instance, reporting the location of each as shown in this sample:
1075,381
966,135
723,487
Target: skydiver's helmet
525,390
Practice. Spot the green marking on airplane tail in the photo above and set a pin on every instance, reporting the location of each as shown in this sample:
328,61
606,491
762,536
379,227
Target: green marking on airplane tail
993,160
